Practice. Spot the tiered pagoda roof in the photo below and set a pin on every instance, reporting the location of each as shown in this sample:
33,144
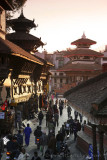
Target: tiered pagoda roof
21,36
82,52
21,23
84,41
82,49
80,67
7,47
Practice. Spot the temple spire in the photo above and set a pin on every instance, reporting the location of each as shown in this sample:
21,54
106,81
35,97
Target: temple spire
83,36
22,15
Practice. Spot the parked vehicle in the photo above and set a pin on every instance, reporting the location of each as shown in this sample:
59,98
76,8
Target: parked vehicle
64,151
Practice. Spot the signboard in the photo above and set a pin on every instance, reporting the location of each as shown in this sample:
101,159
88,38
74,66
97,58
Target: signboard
2,115
90,152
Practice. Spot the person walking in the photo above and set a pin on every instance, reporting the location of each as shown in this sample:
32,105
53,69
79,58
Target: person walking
52,144
19,138
78,125
69,111
47,118
60,108
18,120
27,132
40,117
44,141
23,155
15,147
75,131
56,117
51,126
67,127
58,141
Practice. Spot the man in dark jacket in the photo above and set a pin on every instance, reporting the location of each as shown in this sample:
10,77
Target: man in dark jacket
47,118
38,132
56,117
9,145
78,126
20,138
59,139
60,108
40,117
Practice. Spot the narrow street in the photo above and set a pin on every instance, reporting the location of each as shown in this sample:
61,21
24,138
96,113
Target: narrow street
75,153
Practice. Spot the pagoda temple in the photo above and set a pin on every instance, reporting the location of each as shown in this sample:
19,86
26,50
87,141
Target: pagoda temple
21,36
17,83
30,43
84,62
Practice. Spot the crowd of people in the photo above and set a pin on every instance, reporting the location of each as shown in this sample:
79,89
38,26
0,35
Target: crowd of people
48,143
51,141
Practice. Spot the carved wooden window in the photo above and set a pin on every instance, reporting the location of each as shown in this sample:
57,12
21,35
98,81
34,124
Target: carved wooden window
24,89
20,89
15,90
29,89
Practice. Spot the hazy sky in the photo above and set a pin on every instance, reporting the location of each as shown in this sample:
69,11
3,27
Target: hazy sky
62,21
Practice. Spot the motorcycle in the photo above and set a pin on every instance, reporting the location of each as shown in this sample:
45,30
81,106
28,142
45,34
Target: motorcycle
10,156
64,151
48,155
37,142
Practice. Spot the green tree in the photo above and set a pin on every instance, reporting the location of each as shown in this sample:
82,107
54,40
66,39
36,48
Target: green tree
17,4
